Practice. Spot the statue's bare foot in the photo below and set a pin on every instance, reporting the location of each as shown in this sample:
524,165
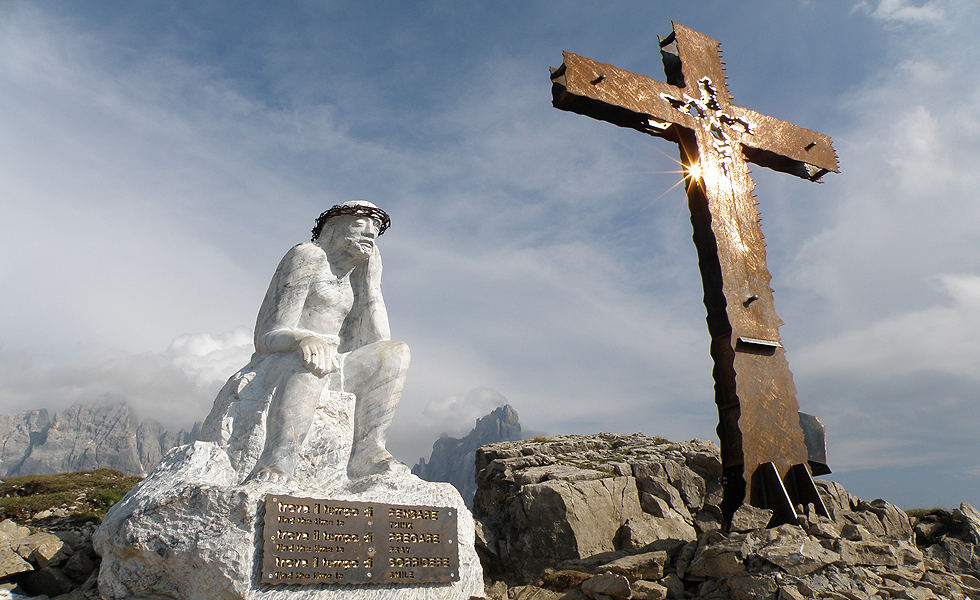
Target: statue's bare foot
379,463
272,474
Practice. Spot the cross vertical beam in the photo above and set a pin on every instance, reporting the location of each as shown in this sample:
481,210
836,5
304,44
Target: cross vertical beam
764,453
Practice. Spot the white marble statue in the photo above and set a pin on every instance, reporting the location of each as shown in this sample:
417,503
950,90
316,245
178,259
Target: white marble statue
307,417
321,335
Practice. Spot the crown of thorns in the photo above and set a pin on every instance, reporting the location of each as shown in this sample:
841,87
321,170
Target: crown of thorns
380,216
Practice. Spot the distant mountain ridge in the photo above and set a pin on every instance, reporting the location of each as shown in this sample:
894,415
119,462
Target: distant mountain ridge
84,437
110,436
453,460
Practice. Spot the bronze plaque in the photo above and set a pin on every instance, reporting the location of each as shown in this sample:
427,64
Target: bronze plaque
311,541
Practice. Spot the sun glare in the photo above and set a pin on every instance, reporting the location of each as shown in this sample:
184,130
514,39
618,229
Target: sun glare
693,171
684,171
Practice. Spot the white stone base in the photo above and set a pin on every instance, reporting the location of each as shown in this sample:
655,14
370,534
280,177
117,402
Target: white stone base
190,532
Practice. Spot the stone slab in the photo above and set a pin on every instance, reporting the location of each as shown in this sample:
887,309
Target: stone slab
190,531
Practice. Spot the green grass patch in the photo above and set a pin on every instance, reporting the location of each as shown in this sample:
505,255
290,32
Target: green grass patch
918,513
86,495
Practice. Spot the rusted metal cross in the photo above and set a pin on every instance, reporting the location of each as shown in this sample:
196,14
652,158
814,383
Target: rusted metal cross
764,453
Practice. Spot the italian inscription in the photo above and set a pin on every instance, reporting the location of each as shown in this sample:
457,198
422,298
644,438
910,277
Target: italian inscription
316,541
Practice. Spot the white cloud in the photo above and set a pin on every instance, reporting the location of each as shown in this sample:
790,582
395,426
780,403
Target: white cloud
903,11
881,452
470,407
455,416
108,192
905,208
944,338
156,180
146,196
561,326
170,387
211,359
902,391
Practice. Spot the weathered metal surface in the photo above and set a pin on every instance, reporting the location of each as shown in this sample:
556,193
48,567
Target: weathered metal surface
604,92
815,435
310,541
754,391
784,493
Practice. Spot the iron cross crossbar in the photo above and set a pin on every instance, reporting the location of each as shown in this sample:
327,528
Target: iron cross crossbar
763,446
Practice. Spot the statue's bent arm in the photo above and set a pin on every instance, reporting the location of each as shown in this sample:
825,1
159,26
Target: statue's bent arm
367,323
277,326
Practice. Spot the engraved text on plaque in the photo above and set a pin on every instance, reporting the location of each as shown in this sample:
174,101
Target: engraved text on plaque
314,541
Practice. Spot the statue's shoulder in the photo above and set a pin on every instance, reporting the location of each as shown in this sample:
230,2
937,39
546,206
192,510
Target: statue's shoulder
308,249
304,253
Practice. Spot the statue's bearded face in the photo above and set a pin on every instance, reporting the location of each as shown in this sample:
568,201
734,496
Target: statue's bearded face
353,234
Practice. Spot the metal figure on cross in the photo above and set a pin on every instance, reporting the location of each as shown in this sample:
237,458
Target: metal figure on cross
769,450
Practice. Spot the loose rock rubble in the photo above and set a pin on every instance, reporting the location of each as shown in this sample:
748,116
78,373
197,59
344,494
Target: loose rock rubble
625,518
632,517
57,563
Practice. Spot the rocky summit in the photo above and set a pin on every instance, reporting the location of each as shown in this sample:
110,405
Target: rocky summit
608,516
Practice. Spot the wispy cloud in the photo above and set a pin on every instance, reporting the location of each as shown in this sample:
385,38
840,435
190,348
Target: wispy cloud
903,11
942,338
168,186
153,180
889,352
175,387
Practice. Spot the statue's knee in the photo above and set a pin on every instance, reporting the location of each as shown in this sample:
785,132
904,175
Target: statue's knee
393,352
292,379
387,358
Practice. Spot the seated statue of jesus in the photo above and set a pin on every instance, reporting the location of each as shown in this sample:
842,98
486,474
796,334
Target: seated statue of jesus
324,314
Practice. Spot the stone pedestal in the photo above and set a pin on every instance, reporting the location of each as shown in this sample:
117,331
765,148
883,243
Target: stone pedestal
192,531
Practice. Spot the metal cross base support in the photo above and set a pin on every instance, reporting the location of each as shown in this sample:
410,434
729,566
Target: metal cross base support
785,496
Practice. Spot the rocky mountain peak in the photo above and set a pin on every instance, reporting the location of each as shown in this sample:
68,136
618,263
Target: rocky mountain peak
83,437
453,459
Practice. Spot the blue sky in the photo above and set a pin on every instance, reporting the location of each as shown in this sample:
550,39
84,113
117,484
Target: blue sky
159,158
